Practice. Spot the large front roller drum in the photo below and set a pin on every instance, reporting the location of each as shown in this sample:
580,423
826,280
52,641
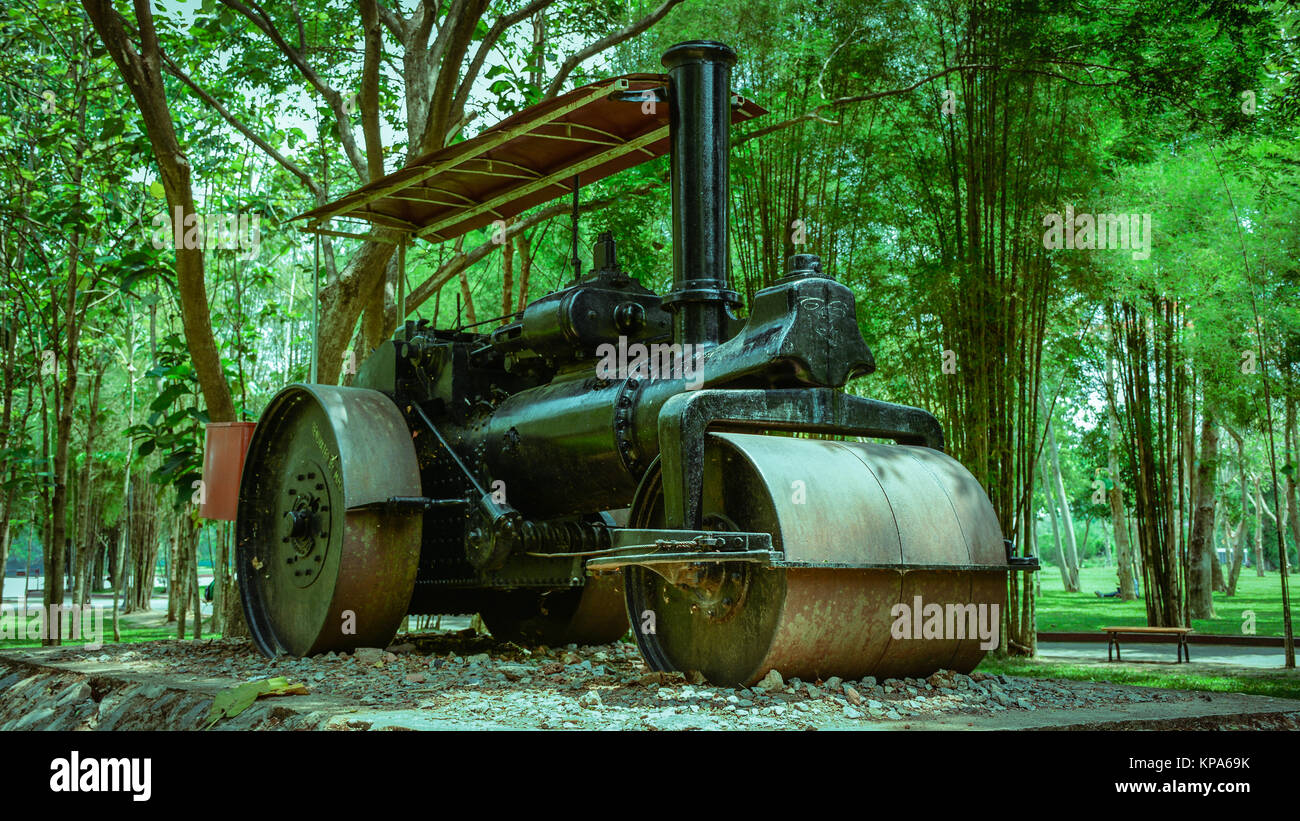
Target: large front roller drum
322,565
830,506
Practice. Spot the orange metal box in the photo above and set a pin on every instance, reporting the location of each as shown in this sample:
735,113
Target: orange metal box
223,462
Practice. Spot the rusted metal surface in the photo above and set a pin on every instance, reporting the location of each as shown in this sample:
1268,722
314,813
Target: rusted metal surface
837,503
321,566
592,614
600,617
224,446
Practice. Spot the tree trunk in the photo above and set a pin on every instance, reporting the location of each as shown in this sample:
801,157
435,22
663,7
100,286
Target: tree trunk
1292,505
1200,580
101,564
1123,548
142,71
9,338
5,533
56,547
537,57
233,622
1260,509
118,578
46,489
185,557
4,541
180,584
1186,519
1067,521
342,301
379,320
1239,539
468,299
1050,495
87,552
197,597
142,549
525,266
1218,582
1238,556
171,558
1151,345
219,578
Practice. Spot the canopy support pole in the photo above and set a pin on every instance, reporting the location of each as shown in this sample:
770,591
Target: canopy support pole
577,263
315,318
401,280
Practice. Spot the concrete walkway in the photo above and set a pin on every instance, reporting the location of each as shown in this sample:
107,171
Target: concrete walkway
1093,652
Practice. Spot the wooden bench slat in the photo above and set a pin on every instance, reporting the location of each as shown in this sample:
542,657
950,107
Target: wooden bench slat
1114,632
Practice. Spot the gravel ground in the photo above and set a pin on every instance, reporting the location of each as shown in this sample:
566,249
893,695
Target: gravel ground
468,678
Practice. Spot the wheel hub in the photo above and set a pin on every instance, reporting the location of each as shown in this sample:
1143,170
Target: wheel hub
716,590
306,523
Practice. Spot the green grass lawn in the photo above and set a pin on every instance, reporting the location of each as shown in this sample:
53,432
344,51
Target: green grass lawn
1084,612
1277,683
136,627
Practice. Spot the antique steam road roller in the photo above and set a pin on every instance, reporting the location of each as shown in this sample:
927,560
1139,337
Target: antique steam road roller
609,456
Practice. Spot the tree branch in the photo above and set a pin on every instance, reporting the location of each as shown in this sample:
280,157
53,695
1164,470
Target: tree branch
453,42
239,126
459,126
260,19
393,21
1259,502
455,14
422,23
815,114
370,91
494,34
567,67
302,29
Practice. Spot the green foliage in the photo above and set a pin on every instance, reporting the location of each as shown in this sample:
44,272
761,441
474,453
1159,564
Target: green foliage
174,427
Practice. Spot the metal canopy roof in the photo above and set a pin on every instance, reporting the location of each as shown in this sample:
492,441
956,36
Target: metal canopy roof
525,160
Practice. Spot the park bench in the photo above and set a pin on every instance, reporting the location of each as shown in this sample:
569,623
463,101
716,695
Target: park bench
1113,634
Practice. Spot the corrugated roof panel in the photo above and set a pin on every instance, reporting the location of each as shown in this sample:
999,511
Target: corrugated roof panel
525,160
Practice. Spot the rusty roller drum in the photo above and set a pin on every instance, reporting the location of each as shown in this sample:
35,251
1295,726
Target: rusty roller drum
593,614
318,555
830,506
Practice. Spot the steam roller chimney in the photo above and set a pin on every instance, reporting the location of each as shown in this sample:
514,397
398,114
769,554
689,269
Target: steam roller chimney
699,122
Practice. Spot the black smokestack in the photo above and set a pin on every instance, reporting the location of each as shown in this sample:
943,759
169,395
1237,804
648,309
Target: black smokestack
699,122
